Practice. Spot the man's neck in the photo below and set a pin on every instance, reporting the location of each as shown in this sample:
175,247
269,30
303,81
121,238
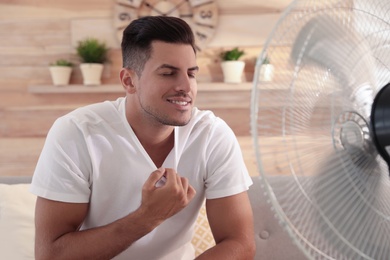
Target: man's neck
157,139
157,145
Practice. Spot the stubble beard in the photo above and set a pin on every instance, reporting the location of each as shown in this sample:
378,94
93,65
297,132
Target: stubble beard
164,119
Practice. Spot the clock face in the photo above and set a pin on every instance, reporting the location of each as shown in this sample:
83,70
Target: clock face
201,15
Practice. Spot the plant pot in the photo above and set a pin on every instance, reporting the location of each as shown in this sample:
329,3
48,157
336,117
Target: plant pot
92,73
233,71
60,75
266,72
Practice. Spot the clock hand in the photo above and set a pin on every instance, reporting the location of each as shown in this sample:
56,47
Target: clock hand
177,6
155,9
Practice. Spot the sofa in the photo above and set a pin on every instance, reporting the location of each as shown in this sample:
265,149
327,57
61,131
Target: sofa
17,224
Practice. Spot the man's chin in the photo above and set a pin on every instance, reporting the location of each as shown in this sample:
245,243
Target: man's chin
178,123
175,122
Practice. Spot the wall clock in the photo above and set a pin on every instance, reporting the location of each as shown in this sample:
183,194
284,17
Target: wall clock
201,15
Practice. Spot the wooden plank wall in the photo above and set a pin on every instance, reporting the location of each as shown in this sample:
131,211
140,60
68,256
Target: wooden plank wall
34,33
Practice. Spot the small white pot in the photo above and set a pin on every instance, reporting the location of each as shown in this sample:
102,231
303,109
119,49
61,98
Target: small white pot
60,75
233,71
92,73
266,72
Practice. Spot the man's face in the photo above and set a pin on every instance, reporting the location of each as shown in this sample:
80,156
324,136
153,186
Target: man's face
166,89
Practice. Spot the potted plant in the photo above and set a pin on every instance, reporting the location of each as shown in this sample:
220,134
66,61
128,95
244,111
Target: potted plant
266,70
60,72
93,54
232,67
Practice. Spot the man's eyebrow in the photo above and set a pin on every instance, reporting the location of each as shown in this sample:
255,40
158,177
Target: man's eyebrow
167,66
194,68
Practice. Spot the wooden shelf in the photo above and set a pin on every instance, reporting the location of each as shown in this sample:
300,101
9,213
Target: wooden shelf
116,88
69,89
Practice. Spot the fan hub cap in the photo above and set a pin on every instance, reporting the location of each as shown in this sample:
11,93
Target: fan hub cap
351,131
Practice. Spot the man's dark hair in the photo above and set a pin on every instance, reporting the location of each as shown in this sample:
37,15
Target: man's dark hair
140,33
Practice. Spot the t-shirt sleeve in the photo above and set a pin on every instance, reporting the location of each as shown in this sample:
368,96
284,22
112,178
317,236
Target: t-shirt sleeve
226,170
63,169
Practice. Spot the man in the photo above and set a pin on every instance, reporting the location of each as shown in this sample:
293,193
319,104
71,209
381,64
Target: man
125,179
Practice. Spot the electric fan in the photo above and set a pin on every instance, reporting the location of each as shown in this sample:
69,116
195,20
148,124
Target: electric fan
322,125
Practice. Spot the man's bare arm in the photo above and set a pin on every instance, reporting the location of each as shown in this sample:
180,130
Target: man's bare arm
57,223
231,221
57,235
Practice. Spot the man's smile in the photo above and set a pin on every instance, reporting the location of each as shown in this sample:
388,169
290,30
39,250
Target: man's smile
182,100
178,102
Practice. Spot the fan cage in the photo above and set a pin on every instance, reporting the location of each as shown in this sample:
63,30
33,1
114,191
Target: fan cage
314,116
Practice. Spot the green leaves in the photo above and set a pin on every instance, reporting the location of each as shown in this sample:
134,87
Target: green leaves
91,50
62,62
233,54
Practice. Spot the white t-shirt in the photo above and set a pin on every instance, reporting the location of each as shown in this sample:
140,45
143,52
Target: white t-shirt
92,155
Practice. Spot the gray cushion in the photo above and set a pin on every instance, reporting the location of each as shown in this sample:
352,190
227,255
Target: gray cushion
15,179
272,241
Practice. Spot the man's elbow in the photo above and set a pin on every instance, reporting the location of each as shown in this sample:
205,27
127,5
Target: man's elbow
44,252
43,255
250,249
245,248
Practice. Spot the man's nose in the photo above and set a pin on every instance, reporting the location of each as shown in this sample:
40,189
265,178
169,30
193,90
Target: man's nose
184,84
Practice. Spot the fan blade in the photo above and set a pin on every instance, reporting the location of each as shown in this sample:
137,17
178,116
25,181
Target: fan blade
348,210
342,51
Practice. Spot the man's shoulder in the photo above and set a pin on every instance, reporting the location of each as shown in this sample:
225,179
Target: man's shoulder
203,117
203,114
96,112
206,119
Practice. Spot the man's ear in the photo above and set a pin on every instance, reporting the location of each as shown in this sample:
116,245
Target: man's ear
127,77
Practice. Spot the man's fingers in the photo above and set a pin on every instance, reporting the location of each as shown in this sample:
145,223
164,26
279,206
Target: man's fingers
156,176
171,176
185,184
182,183
187,188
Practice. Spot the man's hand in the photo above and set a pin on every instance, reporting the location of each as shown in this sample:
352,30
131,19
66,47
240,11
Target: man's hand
165,201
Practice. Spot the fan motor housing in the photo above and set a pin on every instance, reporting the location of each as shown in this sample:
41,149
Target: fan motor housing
380,122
